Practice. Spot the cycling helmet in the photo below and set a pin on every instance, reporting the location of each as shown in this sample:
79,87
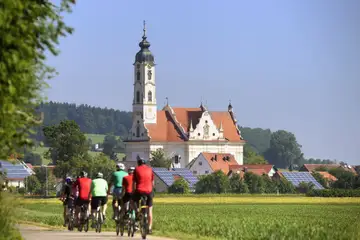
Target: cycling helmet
131,170
140,160
120,166
68,180
99,175
83,174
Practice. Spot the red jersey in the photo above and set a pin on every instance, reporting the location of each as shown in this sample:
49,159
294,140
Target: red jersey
127,183
84,185
144,177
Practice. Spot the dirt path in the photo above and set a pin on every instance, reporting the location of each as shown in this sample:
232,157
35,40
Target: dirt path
35,233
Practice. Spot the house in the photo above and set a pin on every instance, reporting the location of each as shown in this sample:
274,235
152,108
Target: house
258,169
164,178
207,162
16,172
322,167
183,133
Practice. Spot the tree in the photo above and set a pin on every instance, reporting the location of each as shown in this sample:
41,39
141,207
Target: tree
33,185
284,150
284,186
237,185
217,182
159,159
251,157
32,158
111,144
256,183
29,30
179,186
46,179
305,187
66,141
320,179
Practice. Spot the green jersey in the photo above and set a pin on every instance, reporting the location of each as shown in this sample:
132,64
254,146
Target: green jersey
117,178
99,187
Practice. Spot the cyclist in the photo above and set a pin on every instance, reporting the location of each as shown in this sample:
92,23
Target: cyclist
127,191
84,185
65,197
116,181
143,185
99,189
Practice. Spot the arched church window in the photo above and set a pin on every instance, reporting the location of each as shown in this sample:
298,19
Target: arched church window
149,96
138,76
138,131
137,96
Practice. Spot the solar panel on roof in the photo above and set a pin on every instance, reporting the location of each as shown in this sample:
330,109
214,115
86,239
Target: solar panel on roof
297,177
168,175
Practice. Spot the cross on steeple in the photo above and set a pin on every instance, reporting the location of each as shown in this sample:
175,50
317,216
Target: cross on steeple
144,30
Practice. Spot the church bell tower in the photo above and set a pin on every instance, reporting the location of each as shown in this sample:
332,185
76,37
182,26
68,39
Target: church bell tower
144,102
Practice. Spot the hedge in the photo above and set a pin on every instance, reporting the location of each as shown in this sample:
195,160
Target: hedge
334,193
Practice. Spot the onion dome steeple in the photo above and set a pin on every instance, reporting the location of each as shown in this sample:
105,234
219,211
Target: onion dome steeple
144,55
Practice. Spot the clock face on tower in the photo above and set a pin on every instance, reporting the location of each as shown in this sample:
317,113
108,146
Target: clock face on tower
149,114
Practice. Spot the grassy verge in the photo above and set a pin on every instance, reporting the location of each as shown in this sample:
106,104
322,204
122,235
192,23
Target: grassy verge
232,217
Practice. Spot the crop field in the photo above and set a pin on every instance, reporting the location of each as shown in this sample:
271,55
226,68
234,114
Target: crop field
231,217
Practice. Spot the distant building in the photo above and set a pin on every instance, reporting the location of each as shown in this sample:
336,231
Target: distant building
322,167
16,172
183,133
206,163
257,169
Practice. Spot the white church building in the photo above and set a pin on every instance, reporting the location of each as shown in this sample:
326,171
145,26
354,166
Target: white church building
183,133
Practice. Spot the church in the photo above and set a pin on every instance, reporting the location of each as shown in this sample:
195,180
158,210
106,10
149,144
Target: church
183,133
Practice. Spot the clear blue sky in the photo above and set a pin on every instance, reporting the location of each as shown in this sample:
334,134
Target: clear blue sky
292,65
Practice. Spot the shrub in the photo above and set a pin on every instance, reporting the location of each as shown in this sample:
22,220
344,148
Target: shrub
237,185
334,193
256,183
320,179
179,186
284,186
7,229
216,182
305,187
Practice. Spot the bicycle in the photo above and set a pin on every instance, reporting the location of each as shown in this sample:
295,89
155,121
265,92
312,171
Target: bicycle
71,218
120,227
99,220
84,218
144,213
130,221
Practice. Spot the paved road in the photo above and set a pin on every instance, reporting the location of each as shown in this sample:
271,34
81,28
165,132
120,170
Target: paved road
36,233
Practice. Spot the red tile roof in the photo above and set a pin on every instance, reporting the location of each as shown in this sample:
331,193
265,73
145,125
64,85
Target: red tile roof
176,130
219,163
29,165
328,176
265,167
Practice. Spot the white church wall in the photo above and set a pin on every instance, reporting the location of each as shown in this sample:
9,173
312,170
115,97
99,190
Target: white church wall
201,166
172,149
134,149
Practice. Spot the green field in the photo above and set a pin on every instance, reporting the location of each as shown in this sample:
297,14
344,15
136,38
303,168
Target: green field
95,138
233,217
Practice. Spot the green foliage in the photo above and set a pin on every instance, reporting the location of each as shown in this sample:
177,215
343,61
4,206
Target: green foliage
215,219
284,186
32,158
334,193
159,159
28,30
33,185
345,179
217,182
257,138
111,145
305,187
47,180
179,186
320,179
237,185
256,183
66,141
251,157
284,150
270,186
8,230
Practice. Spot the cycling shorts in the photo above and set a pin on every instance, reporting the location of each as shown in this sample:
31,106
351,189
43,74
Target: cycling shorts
95,202
117,193
127,197
79,202
137,196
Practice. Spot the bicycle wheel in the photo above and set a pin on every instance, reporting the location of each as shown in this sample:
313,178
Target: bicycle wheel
86,226
117,228
143,224
100,220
